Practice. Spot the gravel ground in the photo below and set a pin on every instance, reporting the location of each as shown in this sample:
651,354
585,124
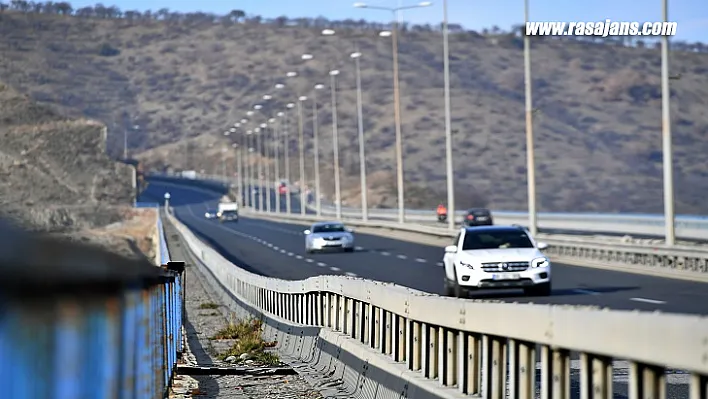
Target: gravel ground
200,326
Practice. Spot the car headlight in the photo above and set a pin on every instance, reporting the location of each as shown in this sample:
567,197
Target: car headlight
540,262
467,265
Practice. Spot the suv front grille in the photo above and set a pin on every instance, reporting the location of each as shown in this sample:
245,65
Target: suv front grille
491,267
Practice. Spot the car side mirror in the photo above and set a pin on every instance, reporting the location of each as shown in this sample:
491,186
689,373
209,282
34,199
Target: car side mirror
306,232
542,245
451,249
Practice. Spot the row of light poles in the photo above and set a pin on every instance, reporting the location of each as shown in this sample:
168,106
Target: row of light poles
531,177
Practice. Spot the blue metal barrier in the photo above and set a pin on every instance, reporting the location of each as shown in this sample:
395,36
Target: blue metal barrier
77,321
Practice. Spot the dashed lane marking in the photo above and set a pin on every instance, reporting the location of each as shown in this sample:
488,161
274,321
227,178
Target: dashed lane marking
358,248
646,300
401,257
298,256
439,264
420,260
350,274
384,253
321,264
308,260
335,269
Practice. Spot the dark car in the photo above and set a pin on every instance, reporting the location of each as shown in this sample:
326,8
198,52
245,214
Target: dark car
478,217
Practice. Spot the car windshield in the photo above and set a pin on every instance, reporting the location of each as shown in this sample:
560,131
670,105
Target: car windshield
478,212
497,239
328,228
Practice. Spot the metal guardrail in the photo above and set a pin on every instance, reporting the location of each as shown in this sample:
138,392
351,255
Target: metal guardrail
687,226
481,348
78,321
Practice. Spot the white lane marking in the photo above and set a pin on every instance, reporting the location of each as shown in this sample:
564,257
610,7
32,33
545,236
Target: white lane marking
401,256
290,254
335,269
385,253
321,264
358,248
270,245
439,264
276,248
308,260
350,274
645,300
420,260
586,292
282,251
298,256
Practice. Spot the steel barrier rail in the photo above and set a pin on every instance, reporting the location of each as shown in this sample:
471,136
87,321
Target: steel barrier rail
478,347
78,321
687,226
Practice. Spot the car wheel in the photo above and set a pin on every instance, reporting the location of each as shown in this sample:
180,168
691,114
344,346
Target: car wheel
539,290
447,288
348,249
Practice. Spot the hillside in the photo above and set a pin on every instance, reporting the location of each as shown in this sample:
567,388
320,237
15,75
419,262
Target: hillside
597,119
56,177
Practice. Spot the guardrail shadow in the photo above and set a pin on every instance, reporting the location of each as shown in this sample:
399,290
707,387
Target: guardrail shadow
579,291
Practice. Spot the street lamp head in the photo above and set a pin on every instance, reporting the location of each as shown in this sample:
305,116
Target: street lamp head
290,105
302,98
328,32
249,113
244,120
234,145
250,132
319,86
334,72
279,86
359,5
385,33
425,4
227,133
257,106
263,125
355,55
232,130
271,120
291,74
237,125
307,56
281,113
267,97
256,130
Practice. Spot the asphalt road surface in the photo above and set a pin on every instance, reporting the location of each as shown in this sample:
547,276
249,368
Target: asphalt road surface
276,249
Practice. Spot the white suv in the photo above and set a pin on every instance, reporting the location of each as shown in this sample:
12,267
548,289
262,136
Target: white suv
488,257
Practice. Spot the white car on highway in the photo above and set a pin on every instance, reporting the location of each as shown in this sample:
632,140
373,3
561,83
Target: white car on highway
324,236
491,257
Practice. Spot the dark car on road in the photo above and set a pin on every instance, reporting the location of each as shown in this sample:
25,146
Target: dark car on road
478,217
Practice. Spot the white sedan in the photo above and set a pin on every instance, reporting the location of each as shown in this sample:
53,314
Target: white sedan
325,236
489,257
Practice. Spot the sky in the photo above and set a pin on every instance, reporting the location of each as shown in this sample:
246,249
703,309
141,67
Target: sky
691,15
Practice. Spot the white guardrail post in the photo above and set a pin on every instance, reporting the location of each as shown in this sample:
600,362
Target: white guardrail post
480,348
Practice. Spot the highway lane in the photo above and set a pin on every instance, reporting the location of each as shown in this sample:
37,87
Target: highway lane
277,249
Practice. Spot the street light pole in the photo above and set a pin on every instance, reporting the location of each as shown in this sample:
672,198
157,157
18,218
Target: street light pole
276,157
362,155
266,175
301,148
252,166
286,149
396,98
259,148
667,161
316,148
530,155
448,122
335,144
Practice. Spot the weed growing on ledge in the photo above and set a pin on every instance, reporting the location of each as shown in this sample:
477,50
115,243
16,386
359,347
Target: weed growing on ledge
249,342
